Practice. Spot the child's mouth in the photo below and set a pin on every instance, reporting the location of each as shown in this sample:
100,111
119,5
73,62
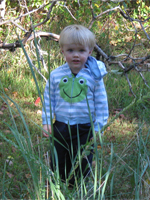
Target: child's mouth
76,61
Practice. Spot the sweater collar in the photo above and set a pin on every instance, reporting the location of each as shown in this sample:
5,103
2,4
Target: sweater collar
92,65
96,68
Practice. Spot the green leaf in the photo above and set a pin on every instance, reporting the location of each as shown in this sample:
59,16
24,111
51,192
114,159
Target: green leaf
116,71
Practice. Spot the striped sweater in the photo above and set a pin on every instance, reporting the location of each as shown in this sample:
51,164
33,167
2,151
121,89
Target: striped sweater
77,99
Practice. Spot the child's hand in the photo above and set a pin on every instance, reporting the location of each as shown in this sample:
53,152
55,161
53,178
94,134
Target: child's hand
46,128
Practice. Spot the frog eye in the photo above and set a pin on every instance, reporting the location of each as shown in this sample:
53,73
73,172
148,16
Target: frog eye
65,80
81,81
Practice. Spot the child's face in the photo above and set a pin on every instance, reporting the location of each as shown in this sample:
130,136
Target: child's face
76,56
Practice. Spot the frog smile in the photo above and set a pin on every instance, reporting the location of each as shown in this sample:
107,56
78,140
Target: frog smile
73,89
73,96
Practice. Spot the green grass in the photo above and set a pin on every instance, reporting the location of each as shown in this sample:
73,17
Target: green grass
120,166
130,158
120,96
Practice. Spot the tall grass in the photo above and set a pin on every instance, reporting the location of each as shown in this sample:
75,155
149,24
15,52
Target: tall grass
40,170
111,167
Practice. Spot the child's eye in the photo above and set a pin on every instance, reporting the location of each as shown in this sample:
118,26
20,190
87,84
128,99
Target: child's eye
82,50
70,50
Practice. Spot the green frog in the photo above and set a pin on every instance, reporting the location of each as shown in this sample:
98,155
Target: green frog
73,89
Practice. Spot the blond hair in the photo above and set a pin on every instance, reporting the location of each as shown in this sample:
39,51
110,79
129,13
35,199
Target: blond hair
77,34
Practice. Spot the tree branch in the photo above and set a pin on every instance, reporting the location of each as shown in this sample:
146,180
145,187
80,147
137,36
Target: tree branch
48,15
28,37
117,60
68,11
23,15
132,19
103,13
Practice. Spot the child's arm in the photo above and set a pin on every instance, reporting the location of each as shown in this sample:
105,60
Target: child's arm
47,128
101,106
49,102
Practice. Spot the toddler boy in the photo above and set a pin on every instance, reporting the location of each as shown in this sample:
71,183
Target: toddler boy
74,93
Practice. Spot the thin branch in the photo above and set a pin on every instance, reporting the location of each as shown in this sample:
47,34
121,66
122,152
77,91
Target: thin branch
27,36
48,15
129,83
137,64
103,13
93,15
130,86
68,11
20,27
125,55
144,31
145,82
41,55
121,65
108,10
132,19
134,43
98,49
37,70
23,15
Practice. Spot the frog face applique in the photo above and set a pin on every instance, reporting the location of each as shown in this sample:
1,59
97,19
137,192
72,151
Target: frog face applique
73,89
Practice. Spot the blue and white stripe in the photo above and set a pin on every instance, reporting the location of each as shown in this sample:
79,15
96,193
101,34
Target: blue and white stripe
76,113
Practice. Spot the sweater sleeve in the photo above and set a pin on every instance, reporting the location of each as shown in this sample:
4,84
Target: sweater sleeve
101,105
49,102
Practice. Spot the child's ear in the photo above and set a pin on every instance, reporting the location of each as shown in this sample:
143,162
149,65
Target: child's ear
90,52
63,53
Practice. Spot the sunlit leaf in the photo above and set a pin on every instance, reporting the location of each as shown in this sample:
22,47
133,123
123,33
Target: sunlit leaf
39,112
116,27
9,71
7,131
15,94
37,101
11,104
6,89
28,175
9,175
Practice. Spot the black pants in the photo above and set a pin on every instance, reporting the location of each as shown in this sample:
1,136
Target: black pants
72,140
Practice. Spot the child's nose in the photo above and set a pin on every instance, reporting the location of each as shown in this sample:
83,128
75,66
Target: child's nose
76,54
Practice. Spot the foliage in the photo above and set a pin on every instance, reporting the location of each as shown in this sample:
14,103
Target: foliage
120,170
126,172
